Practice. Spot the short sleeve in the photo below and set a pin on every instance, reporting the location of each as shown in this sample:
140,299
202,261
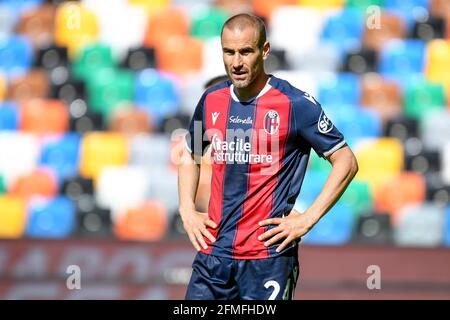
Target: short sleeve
196,143
312,124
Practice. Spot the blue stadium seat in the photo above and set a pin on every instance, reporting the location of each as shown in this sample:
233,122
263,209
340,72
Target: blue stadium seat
355,122
156,93
16,55
335,228
62,155
19,6
53,218
8,20
312,185
402,59
344,88
344,30
9,115
409,10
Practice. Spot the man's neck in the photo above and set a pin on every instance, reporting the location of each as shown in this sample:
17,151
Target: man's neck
245,94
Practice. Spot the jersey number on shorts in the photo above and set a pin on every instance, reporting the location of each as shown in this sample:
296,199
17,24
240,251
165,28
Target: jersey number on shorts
276,288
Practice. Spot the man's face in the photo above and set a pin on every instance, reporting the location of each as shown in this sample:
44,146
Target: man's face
242,57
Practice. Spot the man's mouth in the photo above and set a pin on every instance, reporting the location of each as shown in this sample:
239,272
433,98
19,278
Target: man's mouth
239,74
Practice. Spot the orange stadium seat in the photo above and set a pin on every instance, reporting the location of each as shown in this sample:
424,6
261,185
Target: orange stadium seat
41,182
171,21
390,27
379,160
264,8
2,88
381,95
147,222
101,149
38,25
75,26
404,189
41,116
34,84
180,55
439,8
437,62
13,216
130,121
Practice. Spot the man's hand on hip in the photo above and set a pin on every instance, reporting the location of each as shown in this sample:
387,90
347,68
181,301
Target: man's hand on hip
289,228
195,224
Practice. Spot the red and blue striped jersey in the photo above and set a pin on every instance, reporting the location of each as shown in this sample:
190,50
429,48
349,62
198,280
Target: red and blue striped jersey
260,151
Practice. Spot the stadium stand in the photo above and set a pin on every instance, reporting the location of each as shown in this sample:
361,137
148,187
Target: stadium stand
90,98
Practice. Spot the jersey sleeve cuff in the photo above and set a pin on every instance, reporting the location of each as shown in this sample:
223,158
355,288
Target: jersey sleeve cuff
335,148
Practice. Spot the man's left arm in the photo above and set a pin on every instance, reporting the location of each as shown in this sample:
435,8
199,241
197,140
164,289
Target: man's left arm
296,225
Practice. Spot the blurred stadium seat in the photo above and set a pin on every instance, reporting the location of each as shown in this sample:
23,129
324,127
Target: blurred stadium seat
147,222
50,218
33,85
420,225
399,191
40,116
335,228
16,55
41,182
13,217
102,149
9,116
91,91
75,27
373,228
61,154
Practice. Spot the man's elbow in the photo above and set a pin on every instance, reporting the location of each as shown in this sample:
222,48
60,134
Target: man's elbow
354,167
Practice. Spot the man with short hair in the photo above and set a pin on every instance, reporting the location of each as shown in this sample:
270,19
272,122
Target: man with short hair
261,130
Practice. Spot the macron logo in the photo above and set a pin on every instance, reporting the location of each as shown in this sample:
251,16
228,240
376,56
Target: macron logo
214,115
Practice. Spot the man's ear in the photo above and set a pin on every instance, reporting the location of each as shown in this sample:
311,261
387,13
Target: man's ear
266,50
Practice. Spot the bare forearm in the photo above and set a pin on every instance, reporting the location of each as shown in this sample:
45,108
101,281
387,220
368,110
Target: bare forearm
188,178
344,168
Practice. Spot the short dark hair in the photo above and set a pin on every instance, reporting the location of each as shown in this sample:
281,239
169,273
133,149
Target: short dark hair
244,20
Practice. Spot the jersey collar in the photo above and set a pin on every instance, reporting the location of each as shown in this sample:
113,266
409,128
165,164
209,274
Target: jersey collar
266,88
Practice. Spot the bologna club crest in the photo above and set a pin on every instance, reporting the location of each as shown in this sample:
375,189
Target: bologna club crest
271,122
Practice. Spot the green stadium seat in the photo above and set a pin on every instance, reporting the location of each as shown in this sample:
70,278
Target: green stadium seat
207,23
422,97
110,90
91,59
358,197
363,4
2,185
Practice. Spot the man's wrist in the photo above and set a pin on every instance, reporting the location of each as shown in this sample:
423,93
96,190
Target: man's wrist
183,209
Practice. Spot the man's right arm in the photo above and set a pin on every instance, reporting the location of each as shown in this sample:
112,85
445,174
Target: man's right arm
194,222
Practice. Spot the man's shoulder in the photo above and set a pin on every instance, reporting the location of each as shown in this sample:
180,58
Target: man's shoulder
218,87
297,96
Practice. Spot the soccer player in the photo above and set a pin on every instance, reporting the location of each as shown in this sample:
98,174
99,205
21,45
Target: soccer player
261,130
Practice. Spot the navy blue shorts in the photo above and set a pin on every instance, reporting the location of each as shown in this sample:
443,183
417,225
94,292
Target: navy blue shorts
218,278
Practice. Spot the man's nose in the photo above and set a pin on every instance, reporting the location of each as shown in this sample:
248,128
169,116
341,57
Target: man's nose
237,61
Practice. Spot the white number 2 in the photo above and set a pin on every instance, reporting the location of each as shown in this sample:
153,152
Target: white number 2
276,288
